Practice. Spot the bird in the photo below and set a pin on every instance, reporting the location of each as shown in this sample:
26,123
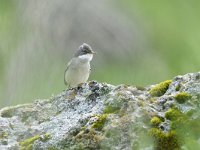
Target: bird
78,68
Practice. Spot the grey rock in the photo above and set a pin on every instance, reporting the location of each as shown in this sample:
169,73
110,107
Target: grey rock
102,116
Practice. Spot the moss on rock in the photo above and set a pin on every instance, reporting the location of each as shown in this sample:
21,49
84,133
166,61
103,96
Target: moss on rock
111,109
173,114
99,124
3,135
28,143
160,88
155,121
164,141
182,97
45,137
87,139
7,113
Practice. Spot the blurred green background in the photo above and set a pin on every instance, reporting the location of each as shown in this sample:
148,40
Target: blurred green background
139,42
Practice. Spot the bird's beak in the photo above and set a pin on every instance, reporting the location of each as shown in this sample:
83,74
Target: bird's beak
94,52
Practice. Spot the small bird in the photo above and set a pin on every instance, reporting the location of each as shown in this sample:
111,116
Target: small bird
78,68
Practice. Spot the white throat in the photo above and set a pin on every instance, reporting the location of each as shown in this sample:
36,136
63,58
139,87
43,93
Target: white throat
86,57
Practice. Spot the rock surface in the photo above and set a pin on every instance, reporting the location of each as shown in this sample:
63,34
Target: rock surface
102,116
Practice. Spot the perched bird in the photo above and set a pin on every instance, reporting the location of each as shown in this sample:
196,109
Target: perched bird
78,68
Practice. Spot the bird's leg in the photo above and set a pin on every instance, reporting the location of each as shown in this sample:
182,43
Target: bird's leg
80,85
69,88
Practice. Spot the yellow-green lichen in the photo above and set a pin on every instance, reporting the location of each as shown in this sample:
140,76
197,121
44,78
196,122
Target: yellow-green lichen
160,88
155,121
173,114
165,141
182,97
99,124
28,143
111,109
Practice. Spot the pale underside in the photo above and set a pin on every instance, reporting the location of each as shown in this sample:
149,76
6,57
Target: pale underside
78,70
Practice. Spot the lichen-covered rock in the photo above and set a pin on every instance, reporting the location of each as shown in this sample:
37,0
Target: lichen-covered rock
96,116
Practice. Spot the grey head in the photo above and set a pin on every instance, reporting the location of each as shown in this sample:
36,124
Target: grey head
83,50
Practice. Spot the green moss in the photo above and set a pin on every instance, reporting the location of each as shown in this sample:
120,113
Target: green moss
24,118
28,143
182,97
83,128
164,141
155,121
99,124
7,113
173,114
52,148
160,88
87,139
105,90
45,137
141,103
184,124
3,135
110,109
178,87
152,100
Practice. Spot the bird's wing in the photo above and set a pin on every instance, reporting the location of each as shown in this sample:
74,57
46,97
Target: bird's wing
90,70
65,73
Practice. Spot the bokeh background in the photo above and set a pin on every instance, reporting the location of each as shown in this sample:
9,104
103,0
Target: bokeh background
139,42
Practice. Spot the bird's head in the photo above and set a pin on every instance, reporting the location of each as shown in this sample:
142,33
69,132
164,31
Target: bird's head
84,49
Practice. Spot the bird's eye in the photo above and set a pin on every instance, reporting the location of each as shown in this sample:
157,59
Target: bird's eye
86,50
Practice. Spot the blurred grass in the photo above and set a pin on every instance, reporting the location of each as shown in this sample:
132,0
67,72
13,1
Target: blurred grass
8,37
171,30
139,72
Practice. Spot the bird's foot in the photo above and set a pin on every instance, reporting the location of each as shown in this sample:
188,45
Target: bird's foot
80,86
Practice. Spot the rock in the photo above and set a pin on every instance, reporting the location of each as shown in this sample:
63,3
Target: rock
102,116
